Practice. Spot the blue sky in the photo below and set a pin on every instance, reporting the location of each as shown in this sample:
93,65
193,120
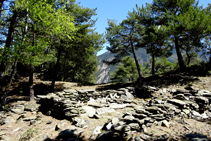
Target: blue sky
115,9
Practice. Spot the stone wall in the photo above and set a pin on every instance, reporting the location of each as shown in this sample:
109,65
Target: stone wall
188,103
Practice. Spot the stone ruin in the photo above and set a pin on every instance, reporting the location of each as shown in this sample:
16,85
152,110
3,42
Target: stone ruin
158,110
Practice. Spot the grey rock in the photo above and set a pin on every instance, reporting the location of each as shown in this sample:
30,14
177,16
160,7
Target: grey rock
29,118
61,125
196,115
137,138
164,137
140,116
2,113
114,120
86,91
165,123
118,106
80,122
141,110
100,111
31,107
96,132
70,91
146,137
96,116
109,126
201,92
134,126
155,110
200,99
128,118
177,102
129,96
181,91
144,128
181,97
18,109
8,120
186,111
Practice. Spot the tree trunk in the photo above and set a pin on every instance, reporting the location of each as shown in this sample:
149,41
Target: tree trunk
56,69
153,64
31,89
188,58
179,55
4,99
136,61
7,46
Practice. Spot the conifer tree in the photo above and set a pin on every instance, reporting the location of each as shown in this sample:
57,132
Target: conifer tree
182,17
124,38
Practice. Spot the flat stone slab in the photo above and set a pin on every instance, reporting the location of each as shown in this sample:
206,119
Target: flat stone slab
177,102
118,106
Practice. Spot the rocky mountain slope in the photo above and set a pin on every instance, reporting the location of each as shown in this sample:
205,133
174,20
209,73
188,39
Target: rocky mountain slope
104,70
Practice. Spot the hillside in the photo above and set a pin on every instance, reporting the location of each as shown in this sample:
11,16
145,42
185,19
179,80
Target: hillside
104,70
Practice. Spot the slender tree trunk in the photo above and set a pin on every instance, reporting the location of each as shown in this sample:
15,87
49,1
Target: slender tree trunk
73,75
56,69
188,58
136,61
31,89
7,46
179,55
4,99
153,64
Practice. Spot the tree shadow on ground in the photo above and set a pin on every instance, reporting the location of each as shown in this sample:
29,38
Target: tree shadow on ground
20,90
114,86
167,79
68,135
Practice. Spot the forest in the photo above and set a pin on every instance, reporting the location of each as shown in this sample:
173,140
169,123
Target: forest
57,38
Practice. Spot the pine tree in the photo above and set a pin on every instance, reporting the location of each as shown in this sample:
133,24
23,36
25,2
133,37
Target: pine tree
156,40
124,38
182,17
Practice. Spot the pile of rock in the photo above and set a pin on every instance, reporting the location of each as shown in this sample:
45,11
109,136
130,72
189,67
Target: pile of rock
185,103
68,103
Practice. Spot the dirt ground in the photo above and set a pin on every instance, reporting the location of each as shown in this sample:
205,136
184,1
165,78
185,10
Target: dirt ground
46,128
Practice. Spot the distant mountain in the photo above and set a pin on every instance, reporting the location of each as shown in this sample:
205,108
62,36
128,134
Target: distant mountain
104,70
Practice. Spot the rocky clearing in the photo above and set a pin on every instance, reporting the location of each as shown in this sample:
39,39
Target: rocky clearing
173,112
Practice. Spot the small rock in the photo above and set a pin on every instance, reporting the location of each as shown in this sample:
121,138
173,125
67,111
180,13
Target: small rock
96,132
137,138
109,126
80,123
144,128
49,122
134,126
165,123
146,137
61,124
163,137
114,120
18,109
